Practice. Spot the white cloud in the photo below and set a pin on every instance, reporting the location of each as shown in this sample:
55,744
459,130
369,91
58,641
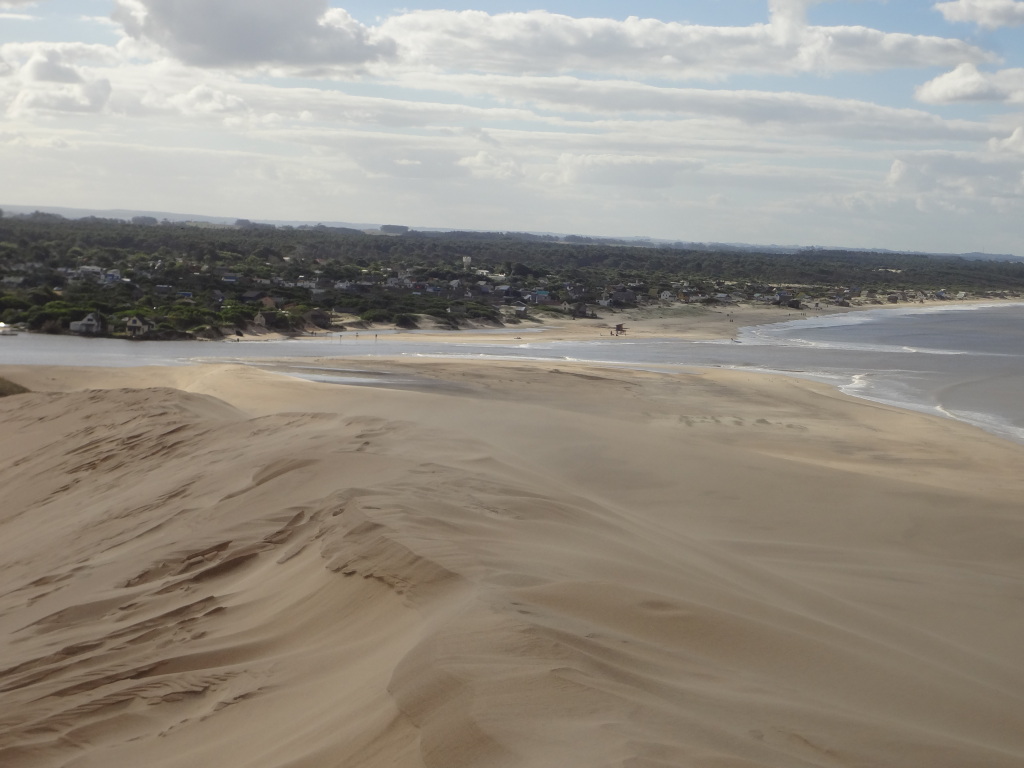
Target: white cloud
486,165
789,17
48,66
821,115
623,170
16,4
987,13
246,33
70,54
542,42
205,100
54,77
62,97
305,35
968,83
1013,144
959,182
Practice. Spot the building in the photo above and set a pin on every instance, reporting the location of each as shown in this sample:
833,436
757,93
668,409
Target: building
90,325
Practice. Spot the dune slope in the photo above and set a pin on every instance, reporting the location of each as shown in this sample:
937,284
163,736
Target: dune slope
529,567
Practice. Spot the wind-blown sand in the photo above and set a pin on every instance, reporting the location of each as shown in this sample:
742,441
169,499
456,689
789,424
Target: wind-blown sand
578,566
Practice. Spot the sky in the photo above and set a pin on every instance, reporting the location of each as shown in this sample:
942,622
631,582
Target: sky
841,123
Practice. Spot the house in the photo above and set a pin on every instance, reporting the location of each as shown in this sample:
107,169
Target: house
138,326
520,309
90,324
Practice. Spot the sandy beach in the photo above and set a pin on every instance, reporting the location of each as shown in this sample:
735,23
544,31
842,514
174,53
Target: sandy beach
665,320
524,565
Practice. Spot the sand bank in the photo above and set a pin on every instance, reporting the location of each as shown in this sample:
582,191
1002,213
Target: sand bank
576,566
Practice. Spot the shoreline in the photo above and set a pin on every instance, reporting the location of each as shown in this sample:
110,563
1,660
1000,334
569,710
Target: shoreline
679,321
698,324
683,321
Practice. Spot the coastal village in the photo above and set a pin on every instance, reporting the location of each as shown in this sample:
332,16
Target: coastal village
302,290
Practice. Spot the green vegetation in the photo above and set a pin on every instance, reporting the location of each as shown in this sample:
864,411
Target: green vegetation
185,280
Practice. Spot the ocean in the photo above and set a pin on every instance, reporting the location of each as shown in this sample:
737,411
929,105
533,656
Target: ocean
960,361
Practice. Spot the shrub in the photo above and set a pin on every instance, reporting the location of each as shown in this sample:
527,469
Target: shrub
376,316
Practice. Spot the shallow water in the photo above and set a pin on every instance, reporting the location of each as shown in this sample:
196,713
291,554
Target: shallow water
964,361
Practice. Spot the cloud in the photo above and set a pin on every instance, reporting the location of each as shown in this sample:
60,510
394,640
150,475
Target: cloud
16,4
485,165
968,83
617,170
1013,144
62,54
62,97
813,114
50,77
246,33
206,100
48,66
987,13
543,42
308,36
789,17
957,181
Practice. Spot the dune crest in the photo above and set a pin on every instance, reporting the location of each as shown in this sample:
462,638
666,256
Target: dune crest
235,568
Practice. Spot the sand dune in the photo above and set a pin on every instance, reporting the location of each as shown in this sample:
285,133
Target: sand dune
215,565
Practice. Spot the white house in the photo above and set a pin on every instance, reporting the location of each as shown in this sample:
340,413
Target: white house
137,326
89,324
